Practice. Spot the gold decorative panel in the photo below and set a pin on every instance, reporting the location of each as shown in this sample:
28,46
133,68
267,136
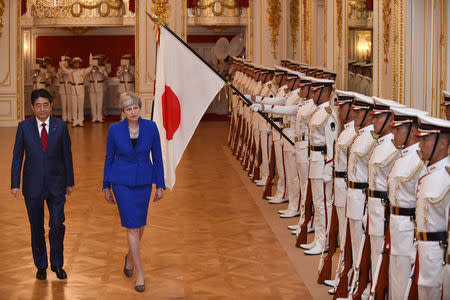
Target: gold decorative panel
2,10
294,7
273,17
217,13
161,8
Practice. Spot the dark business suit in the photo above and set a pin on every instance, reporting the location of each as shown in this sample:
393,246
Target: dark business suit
45,177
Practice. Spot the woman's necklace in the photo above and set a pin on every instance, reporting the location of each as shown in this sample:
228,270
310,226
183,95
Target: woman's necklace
133,133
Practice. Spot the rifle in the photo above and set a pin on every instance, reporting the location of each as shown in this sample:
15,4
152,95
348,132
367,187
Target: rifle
268,189
327,262
231,132
361,277
308,214
242,140
252,159
258,162
380,282
237,135
342,288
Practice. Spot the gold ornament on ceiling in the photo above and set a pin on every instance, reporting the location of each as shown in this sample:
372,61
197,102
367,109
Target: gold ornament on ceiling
273,17
161,8
217,6
294,7
2,10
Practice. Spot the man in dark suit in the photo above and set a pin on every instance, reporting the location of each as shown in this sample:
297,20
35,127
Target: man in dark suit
47,175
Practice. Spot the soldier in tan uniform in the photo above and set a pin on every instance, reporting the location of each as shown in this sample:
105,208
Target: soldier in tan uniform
65,90
96,78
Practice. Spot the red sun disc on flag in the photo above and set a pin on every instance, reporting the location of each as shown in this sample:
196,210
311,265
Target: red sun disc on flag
171,112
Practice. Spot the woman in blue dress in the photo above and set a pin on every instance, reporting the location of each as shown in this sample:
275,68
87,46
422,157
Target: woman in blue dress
129,174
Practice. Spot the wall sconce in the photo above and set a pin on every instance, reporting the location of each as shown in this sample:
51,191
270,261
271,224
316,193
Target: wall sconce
364,47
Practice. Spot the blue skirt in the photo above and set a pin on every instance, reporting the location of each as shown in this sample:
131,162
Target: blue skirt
132,202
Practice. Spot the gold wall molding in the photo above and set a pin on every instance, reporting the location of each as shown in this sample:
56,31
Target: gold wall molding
2,10
395,44
161,8
386,28
305,19
250,29
2,81
294,20
273,17
64,9
339,24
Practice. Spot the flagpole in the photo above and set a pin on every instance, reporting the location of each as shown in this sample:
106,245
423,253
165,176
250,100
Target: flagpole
248,102
154,83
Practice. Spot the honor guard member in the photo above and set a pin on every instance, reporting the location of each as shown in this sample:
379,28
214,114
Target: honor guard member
50,69
432,206
446,104
357,170
323,130
77,75
265,135
96,78
281,193
304,113
344,101
402,185
125,73
381,161
40,76
288,110
65,89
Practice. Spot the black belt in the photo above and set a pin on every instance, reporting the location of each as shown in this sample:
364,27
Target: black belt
357,185
403,211
127,82
61,82
280,120
340,174
440,236
96,81
76,83
378,194
300,138
322,149
42,82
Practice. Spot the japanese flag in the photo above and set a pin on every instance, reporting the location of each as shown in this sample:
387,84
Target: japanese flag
184,88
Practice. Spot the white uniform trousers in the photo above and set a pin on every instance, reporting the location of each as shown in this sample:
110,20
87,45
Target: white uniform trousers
302,170
292,181
356,233
399,271
96,99
266,145
66,107
78,108
429,292
321,194
376,250
446,282
342,220
256,143
281,170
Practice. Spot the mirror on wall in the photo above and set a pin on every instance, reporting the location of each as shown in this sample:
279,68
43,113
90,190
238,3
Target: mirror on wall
360,47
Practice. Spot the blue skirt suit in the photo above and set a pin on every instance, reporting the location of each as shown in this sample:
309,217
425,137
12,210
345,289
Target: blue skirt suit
130,172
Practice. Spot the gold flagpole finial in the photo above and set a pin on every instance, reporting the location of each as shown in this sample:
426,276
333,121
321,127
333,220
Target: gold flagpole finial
155,19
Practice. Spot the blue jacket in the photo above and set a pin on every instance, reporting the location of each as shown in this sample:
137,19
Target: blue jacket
132,166
52,169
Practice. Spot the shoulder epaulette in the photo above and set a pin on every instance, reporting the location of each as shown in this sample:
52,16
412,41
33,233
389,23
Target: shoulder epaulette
374,134
329,110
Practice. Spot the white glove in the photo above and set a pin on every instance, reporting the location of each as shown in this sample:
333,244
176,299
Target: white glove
328,172
256,107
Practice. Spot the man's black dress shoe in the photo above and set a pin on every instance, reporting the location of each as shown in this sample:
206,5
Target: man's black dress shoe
41,274
60,273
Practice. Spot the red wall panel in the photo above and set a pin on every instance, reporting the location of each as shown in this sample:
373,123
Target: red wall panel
113,46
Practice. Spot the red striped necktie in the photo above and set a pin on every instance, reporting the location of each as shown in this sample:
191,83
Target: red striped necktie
44,137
